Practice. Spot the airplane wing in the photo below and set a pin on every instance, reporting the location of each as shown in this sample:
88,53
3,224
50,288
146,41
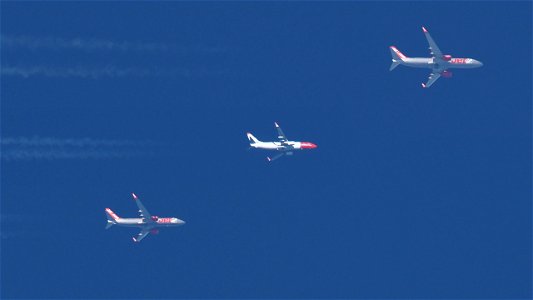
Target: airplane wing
431,80
435,51
276,156
142,210
281,136
144,232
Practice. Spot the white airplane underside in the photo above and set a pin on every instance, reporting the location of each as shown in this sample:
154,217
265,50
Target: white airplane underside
283,146
147,222
438,62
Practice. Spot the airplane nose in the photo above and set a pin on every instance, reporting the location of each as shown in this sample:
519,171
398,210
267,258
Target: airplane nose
178,221
308,145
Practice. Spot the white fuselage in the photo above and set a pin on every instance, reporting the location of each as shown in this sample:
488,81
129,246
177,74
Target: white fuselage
140,222
290,145
439,65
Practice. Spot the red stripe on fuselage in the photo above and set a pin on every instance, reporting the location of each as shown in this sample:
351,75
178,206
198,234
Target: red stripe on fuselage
458,60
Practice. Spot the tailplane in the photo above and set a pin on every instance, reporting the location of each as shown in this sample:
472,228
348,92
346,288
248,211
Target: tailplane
109,224
397,57
252,139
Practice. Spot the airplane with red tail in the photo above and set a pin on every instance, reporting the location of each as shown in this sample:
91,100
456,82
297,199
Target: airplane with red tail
147,222
284,146
438,63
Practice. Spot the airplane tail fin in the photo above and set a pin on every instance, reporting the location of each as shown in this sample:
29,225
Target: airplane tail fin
112,218
397,57
252,138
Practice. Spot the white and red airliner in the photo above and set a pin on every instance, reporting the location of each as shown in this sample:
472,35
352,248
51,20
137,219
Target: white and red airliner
147,222
438,63
284,146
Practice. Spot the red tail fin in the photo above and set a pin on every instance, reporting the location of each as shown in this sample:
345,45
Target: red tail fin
111,216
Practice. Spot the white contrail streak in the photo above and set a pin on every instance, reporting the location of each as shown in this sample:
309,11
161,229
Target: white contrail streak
102,72
47,141
44,148
35,43
79,71
92,45
54,154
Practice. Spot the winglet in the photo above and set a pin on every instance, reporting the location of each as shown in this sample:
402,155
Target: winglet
424,29
269,159
423,85
134,196
134,240
276,124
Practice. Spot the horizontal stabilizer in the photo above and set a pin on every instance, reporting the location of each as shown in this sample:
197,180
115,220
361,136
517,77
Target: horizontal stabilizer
394,65
109,224
276,156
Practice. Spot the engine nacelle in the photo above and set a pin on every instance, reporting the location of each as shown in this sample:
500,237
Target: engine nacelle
155,218
447,57
447,74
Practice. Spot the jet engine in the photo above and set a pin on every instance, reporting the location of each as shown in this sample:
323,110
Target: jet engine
154,231
447,57
447,74
155,218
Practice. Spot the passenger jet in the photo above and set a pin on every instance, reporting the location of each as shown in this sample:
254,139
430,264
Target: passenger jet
438,63
284,146
147,222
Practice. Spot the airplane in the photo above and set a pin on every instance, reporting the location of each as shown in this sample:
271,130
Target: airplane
284,146
438,63
147,222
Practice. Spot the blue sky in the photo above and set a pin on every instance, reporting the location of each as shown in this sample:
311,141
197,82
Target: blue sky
410,193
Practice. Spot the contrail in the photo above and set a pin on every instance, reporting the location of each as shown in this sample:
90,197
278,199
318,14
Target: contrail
102,72
45,148
79,71
47,141
92,45
14,45
54,154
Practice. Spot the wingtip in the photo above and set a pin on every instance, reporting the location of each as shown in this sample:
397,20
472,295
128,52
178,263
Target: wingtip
269,159
423,85
276,124
134,196
134,240
424,29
